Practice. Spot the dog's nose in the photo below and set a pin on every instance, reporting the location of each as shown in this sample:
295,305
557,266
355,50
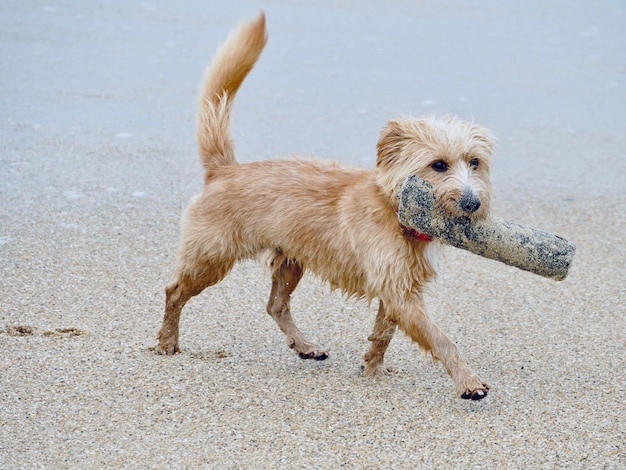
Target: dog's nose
469,203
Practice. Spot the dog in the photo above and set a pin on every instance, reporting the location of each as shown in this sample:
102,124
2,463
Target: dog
339,223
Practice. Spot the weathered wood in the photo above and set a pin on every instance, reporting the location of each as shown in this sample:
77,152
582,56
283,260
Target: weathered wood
532,250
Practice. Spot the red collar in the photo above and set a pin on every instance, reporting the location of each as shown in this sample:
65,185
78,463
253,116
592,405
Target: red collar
411,232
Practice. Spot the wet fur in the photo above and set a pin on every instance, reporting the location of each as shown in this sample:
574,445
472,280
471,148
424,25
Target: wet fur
339,223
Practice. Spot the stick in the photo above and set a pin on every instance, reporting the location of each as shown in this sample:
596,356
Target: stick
532,250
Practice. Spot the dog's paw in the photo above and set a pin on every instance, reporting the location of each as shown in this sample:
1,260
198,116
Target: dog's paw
307,350
476,394
378,370
317,355
168,349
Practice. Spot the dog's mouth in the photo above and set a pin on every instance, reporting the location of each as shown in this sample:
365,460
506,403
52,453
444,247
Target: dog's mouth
466,204
419,203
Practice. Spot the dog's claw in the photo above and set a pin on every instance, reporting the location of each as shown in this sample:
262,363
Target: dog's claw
475,395
313,355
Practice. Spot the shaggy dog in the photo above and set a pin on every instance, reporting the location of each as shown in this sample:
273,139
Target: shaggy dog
337,222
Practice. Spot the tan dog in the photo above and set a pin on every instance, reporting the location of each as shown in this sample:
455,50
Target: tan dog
339,223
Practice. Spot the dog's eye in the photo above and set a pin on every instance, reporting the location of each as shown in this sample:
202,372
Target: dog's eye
439,166
474,162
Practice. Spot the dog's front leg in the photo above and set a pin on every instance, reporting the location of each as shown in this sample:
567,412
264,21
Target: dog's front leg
413,319
384,329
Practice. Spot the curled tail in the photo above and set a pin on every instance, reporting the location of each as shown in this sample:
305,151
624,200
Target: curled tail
233,61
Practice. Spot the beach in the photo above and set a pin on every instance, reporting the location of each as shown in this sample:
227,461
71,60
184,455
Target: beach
98,161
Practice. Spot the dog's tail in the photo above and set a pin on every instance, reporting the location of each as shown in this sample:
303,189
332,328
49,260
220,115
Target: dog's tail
232,62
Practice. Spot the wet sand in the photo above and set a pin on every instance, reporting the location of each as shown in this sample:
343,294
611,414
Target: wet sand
98,160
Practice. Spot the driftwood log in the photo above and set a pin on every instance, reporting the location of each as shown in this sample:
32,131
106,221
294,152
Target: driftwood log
532,250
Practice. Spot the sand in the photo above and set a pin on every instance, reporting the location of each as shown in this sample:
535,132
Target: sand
97,160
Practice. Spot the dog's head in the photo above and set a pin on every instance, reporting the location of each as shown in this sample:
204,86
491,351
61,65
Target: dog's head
452,154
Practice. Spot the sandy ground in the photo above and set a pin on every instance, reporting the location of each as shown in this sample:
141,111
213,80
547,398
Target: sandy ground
97,160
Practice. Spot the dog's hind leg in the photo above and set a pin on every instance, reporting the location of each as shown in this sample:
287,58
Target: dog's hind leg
413,319
178,292
286,274
384,329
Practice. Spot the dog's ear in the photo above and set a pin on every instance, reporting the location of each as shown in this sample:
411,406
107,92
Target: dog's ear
483,136
389,143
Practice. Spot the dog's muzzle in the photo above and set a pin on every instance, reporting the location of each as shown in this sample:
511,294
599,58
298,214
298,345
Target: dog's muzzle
469,202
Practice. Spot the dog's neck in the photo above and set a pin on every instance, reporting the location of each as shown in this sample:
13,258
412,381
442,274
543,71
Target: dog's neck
411,232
